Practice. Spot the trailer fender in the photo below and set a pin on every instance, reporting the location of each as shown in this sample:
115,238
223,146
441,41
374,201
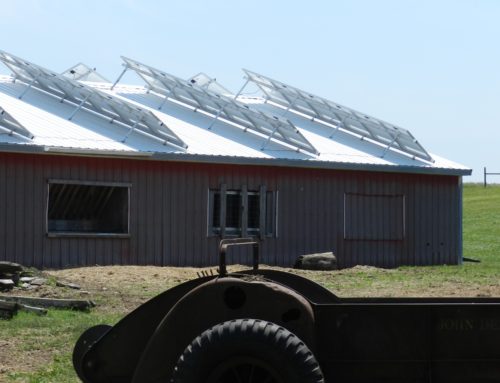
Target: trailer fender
115,355
219,301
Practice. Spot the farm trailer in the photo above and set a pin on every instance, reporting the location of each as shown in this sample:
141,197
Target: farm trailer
268,326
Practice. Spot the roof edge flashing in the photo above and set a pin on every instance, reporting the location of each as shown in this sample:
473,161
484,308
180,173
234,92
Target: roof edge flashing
231,160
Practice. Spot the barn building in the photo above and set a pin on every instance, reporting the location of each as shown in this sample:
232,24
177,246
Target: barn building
93,172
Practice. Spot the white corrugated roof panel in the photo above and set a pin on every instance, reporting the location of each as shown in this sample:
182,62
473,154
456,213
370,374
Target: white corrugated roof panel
47,119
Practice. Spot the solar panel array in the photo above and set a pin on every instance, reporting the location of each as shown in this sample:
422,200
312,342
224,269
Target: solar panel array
220,107
205,94
9,123
87,98
338,117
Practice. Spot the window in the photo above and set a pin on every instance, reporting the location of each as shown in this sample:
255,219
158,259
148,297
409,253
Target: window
233,216
82,208
242,213
374,217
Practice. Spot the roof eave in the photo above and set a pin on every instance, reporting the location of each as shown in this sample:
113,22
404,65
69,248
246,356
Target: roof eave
310,164
234,160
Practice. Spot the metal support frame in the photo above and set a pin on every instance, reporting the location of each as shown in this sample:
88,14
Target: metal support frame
390,145
83,96
13,126
335,116
131,130
264,144
120,77
35,79
160,107
222,107
217,115
79,107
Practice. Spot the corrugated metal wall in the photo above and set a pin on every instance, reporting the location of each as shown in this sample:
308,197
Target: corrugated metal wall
168,210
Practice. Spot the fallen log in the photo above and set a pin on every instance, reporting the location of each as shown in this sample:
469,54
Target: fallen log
68,285
73,304
31,309
7,309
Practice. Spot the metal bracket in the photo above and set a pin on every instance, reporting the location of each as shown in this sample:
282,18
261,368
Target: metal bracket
119,77
217,115
225,243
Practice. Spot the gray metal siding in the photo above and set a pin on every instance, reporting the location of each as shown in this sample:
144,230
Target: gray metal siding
168,213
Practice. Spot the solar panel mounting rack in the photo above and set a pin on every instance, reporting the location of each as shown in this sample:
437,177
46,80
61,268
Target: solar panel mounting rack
10,124
338,117
90,99
220,107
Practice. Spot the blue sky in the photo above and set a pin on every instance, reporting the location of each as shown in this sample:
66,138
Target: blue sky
432,67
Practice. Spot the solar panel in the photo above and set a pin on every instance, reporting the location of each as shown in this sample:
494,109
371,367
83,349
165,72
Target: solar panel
204,81
338,117
82,72
220,107
9,123
92,100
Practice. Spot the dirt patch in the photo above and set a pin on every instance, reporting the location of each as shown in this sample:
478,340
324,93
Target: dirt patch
15,358
126,287
122,288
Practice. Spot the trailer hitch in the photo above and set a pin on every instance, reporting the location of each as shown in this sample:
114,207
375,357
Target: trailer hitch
225,243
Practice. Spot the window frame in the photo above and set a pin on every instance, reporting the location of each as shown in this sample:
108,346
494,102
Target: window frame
270,229
53,234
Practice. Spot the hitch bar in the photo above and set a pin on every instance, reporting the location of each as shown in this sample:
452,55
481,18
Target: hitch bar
225,243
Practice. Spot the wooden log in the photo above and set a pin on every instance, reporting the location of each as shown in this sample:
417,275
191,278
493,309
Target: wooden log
74,304
7,309
68,285
31,309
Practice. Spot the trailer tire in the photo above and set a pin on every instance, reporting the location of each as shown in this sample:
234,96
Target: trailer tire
247,350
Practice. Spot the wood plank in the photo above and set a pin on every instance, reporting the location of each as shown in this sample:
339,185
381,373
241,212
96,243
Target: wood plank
74,304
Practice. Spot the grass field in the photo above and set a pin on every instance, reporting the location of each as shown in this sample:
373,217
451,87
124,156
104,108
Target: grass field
38,349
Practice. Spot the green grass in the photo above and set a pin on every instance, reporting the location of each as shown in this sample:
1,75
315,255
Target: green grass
48,337
49,340
482,225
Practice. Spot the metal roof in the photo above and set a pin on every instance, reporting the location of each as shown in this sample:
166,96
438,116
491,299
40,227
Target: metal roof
39,122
